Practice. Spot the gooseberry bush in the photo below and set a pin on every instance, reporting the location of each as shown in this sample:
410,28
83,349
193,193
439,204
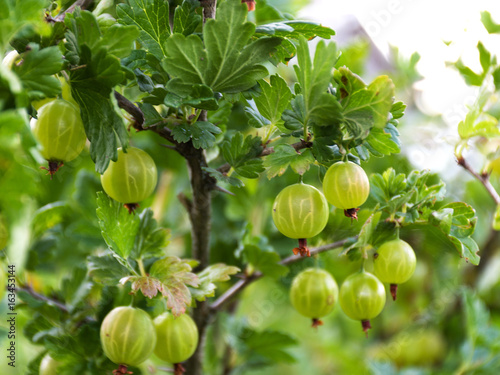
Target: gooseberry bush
188,163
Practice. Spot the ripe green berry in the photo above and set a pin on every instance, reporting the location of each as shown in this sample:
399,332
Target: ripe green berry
362,297
128,336
132,178
300,211
48,366
177,337
59,130
394,263
314,293
346,186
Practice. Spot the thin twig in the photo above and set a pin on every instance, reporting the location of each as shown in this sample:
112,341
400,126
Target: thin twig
483,178
83,4
132,109
241,284
41,297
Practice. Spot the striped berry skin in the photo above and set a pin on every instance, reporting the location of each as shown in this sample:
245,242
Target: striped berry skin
314,293
346,185
395,263
132,178
362,296
48,366
128,336
300,211
177,337
59,130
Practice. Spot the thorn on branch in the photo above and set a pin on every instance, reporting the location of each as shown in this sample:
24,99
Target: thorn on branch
221,189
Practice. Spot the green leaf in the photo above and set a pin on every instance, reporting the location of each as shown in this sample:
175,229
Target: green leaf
294,29
103,125
151,239
379,142
197,96
491,26
484,57
118,227
477,318
284,156
105,269
92,88
15,15
212,274
201,133
457,221
264,260
471,78
83,30
273,99
243,154
169,276
487,126
271,345
118,40
295,118
320,108
48,216
76,288
464,219
365,235
186,20
348,82
369,107
228,64
152,19
224,177
37,69
496,78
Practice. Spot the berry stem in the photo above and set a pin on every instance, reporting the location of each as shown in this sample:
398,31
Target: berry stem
366,326
53,167
316,323
303,250
179,369
122,369
394,291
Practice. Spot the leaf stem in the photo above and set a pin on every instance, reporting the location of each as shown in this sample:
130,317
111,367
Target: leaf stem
141,267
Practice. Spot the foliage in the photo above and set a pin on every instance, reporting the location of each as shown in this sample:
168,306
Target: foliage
204,90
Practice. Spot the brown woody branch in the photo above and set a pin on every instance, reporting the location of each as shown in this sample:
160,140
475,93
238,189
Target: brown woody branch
51,301
132,109
484,178
83,4
241,284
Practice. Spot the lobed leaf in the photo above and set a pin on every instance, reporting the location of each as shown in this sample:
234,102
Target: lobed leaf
151,17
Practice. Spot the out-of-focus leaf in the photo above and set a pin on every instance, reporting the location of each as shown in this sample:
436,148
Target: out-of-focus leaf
37,69
48,216
208,277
